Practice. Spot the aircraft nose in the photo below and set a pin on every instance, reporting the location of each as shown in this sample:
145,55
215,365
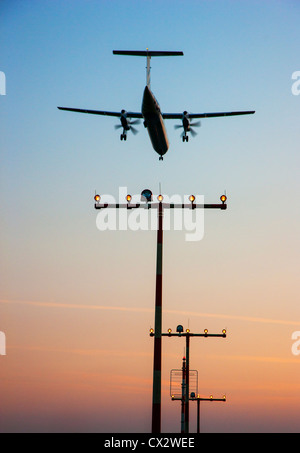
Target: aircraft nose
147,95
148,105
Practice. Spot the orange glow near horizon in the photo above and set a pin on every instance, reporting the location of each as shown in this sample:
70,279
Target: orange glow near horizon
79,366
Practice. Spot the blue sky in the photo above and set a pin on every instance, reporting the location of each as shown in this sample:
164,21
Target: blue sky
238,55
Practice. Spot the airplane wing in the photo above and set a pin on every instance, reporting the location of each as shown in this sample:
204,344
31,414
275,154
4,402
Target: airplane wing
178,116
103,112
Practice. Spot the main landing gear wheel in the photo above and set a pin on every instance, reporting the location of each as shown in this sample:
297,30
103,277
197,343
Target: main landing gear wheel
161,158
185,138
123,137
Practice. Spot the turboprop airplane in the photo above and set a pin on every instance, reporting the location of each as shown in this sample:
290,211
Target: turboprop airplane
151,113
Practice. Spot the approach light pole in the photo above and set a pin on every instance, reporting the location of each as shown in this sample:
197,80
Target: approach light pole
198,398
178,388
146,197
187,334
179,395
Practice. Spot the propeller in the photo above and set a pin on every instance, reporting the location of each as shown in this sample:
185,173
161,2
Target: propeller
187,126
133,129
196,124
126,124
129,127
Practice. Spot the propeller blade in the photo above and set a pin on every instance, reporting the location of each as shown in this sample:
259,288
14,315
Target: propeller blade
193,132
137,121
178,126
118,126
197,124
133,130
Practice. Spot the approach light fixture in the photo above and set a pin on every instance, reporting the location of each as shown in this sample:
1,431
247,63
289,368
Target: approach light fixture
146,195
205,331
224,332
187,330
128,198
160,197
169,331
97,198
151,332
192,198
223,198
179,328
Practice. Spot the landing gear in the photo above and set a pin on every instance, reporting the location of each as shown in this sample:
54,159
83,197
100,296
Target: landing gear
161,158
185,138
123,137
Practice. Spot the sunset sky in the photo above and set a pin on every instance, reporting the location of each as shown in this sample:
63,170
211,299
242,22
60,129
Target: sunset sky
76,303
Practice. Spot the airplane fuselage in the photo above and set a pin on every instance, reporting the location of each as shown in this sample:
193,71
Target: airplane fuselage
154,123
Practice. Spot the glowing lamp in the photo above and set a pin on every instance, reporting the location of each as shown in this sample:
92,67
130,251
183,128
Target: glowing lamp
97,198
223,198
192,198
128,198
160,197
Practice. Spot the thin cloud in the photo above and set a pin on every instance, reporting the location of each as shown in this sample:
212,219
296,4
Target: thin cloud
148,310
236,317
88,352
263,359
72,306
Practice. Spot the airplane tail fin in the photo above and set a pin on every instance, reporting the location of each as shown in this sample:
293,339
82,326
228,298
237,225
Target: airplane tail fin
148,54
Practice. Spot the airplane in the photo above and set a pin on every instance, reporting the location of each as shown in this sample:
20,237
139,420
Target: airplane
151,113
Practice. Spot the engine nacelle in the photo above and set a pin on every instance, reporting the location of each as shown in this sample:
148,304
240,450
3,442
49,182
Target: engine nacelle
186,121
124,121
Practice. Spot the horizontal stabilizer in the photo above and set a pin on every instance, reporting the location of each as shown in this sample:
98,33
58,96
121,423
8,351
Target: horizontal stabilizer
148,53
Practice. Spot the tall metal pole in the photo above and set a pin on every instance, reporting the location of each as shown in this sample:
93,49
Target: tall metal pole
183,394
156,395
187,385
198,415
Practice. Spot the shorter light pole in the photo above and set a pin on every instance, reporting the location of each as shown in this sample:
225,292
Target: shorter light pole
198,399
183,385
177,393
187,334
